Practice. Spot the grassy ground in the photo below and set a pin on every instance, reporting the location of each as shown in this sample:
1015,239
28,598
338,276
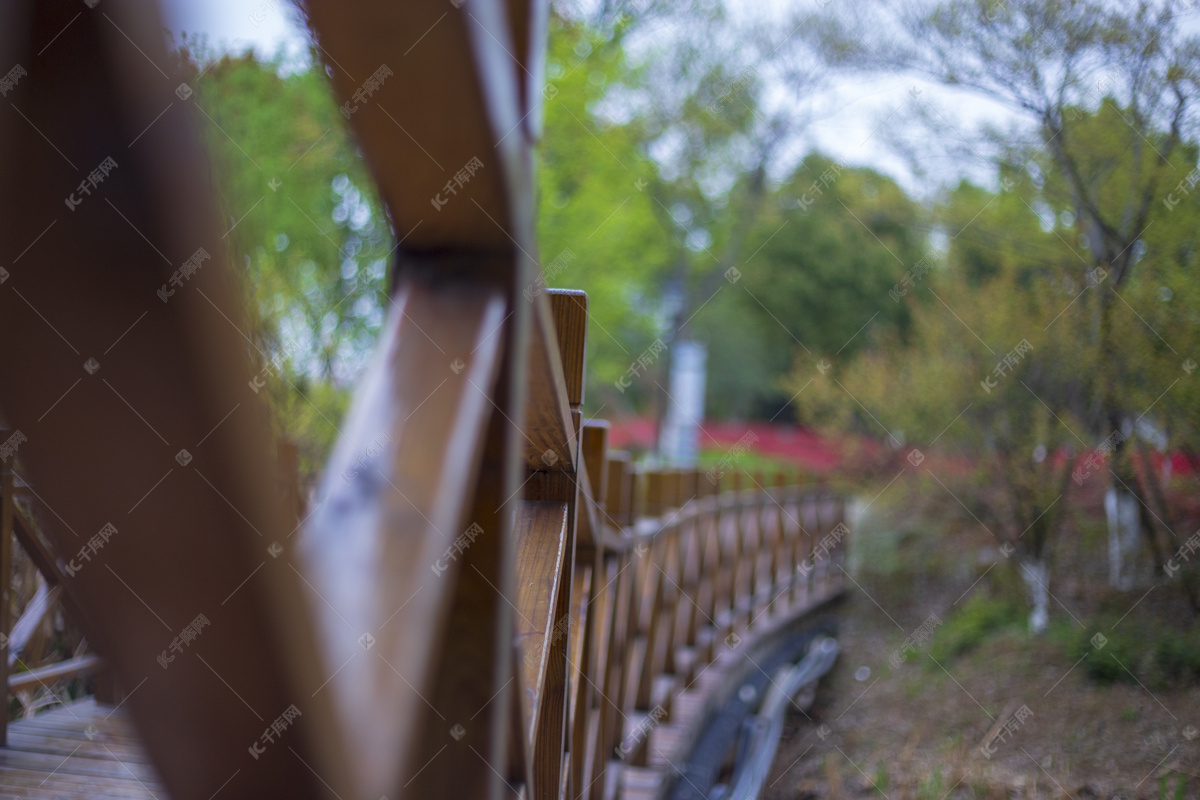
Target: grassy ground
1115,717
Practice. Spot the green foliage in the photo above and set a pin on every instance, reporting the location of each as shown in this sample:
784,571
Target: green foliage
1159,656
819,273
593,207
657,175
1100,347
1164,786
882,780
750,462
646,194
1106,665
980,617
1178,659
304,227
1086,252
305,224
931,787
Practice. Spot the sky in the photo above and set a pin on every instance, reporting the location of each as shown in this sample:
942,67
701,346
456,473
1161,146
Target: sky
856,120
265,25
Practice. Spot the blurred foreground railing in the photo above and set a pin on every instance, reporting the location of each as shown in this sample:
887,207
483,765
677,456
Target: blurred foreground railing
38,622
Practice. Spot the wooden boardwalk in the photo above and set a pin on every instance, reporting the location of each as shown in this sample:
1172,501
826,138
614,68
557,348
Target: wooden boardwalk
544,617
84,750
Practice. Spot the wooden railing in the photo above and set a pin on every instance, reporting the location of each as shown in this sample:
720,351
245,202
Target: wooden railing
682,574
32,578
628,594
31,591
480,600
627,584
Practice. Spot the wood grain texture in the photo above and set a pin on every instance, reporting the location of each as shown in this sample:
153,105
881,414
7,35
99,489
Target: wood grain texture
594,446
435,51
550,772
79,752
581,675
550,433
569,307
590,515
604,697
384,547
113,450
541,543
467,716
617,500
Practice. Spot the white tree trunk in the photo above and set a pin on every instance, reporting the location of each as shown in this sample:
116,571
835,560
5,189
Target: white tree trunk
1036,573
1121,511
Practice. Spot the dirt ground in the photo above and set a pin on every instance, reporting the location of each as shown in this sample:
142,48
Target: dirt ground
917,731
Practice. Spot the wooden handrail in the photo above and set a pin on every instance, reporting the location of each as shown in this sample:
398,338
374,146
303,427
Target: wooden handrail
45,676
483,599
43,600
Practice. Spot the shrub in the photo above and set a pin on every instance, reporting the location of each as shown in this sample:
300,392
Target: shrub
1177,657
980,617
1108,657
1159,656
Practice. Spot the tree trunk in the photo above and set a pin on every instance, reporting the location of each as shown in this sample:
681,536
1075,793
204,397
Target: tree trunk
1120,509
1036,574
1120,504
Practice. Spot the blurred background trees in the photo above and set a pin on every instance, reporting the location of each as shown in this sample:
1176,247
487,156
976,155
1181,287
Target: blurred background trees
1070,248
992,335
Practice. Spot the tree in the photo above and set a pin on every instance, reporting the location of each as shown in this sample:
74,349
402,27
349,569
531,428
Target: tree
713,101
306,228
997,382
596,227
822,257
1056,63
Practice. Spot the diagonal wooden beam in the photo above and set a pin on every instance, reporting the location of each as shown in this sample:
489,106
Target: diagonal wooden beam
383,549
44,598
448,97
474,666
542,536
26,536
444,130
124,397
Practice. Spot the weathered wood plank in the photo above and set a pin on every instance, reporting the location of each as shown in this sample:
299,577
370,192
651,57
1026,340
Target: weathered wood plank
548,428
541,536
146,435
581,676
432,52
569,307
617,499
45,676
382,551
595,450
467,717
43,600
550,774
78,751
